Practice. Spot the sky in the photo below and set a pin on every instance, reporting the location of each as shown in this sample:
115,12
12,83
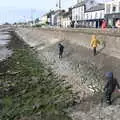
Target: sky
24,10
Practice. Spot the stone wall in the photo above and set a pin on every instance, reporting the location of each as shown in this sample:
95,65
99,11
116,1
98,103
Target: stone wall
110,38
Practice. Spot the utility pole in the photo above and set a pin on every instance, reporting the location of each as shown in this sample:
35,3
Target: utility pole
60,11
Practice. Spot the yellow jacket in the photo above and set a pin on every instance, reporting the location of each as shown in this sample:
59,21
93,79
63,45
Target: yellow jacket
94,42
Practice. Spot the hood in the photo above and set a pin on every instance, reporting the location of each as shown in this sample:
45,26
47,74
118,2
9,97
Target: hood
109,75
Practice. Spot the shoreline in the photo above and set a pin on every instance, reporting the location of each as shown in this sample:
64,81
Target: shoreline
29,90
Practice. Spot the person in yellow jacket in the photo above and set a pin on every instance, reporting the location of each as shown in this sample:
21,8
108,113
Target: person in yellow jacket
94,43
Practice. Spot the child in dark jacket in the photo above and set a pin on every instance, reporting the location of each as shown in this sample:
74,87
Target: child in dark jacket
110,86
61,49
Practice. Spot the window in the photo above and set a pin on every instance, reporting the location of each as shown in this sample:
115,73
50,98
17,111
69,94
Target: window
91,2
114,8
82,17
76,17
87,16
81,8
91,16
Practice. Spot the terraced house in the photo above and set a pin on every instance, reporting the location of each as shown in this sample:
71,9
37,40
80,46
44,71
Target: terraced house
87,13
112,12
94,16
78,11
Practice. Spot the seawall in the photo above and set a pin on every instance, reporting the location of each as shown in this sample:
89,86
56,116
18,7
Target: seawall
110,39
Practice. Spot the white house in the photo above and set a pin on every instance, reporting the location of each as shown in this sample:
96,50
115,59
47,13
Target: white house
112,7
44,19
94,16
112,12
54,18
66,23
66,19
78,12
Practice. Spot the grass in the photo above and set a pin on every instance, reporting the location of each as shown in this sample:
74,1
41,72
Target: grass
31,91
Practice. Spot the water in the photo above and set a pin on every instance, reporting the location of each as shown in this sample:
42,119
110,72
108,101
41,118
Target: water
4,40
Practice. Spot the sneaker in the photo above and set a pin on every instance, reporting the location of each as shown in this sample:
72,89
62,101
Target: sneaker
108,102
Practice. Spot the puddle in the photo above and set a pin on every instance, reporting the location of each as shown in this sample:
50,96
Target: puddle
4,40
4,36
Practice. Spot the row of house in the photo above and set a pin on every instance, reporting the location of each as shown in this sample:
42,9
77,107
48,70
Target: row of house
112,11
60,18
84,16
86,13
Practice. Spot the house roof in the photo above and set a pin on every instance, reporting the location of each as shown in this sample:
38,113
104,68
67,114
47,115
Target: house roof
79,4
96,8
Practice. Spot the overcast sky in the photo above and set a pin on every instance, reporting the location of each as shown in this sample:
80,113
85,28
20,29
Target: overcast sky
19,10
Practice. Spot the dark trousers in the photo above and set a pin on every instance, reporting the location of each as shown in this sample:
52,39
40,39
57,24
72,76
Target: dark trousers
94,51
108,95
60,54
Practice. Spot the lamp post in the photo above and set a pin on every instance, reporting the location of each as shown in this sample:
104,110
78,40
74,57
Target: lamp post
60,11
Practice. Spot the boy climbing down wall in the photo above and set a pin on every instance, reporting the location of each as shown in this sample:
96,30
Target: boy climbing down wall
110,86
94,43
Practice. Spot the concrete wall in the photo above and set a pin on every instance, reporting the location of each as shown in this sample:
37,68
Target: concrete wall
110,40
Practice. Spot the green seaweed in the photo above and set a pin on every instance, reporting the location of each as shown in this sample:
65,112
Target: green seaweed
32,92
